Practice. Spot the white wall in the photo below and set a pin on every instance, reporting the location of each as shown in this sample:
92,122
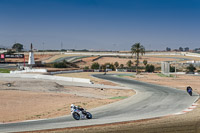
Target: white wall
47,77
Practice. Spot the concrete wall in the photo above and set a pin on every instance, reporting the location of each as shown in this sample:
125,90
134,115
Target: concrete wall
47,77
29,70
60,72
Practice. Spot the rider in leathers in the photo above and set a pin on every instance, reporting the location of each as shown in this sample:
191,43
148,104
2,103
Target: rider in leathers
77,107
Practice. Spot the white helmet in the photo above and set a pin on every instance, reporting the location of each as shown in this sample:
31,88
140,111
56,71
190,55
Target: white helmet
72,105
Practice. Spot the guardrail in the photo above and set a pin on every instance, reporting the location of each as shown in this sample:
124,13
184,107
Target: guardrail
60,72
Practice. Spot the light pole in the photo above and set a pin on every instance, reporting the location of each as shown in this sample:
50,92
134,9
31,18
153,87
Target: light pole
106,69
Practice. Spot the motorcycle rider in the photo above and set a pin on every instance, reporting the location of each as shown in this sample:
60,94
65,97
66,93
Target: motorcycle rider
189,90
72,107
77,107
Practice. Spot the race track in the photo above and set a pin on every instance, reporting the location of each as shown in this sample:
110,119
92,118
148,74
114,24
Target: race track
149,102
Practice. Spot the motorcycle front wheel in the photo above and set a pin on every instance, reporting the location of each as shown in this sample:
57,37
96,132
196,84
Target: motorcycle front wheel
89,115
76,116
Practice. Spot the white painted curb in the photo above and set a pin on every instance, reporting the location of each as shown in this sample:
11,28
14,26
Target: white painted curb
191,108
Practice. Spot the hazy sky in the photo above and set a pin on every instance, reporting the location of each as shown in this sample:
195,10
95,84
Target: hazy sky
100,24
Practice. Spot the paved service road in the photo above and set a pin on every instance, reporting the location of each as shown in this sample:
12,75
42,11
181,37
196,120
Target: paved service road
149,102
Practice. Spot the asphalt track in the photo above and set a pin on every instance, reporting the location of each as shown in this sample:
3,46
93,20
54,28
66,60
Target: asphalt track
150,101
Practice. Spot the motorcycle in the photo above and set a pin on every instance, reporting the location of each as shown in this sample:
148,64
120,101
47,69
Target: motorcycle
80,113
189,90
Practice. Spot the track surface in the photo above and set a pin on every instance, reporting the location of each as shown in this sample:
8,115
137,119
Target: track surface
149,102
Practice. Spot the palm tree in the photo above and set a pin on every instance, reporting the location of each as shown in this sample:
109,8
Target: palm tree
137,49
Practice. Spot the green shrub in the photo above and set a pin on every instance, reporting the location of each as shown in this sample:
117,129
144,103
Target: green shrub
60,65
95,65
191,68
121,66
108,66
145,62
129,63
149,68
116,64
172,69
86,67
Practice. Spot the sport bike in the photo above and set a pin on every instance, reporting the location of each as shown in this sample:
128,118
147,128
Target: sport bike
80,113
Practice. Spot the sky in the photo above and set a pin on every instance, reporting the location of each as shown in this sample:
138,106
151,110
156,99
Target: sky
100,24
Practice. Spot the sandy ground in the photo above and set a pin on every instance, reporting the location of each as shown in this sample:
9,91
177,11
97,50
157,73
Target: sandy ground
86,61
29,99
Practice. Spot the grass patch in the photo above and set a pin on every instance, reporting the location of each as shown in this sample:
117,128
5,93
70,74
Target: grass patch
126,75
163,75
121,75
119,97
4,70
